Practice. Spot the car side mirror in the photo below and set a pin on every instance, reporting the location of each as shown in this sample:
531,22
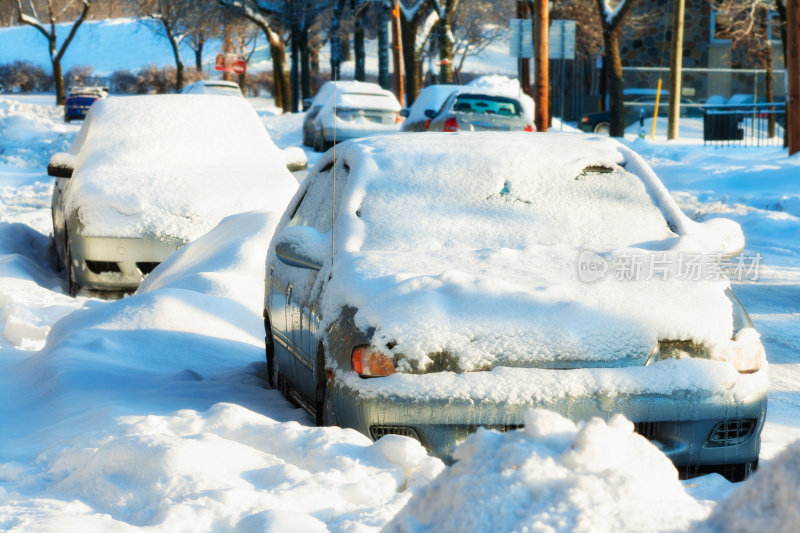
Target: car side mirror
724,236
403,112
295,158
302,247
430,113
61,165
306,103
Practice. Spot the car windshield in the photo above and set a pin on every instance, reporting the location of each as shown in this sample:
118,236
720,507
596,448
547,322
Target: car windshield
466,199
485,104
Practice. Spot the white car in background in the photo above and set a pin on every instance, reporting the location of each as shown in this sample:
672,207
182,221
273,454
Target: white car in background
430,99
220,87
147,174
354,109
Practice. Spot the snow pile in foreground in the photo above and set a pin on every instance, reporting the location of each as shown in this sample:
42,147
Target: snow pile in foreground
554,476
769,501
151,411
31,133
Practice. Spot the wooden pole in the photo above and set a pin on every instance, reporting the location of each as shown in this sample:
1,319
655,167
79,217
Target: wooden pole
397,57
675,70
524,63
541,65
793,72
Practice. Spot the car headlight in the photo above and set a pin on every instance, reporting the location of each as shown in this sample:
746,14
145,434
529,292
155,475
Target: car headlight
677,350
369,362
745,352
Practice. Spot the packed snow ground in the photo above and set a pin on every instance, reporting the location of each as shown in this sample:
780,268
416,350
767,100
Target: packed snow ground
151,411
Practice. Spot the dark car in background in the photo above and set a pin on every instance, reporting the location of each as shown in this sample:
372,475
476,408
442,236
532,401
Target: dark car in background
635,102
79,101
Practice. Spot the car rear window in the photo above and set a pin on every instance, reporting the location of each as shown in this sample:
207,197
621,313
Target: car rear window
485,104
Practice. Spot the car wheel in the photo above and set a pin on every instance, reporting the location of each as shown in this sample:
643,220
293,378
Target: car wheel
72,286
603,128
319,142
270,348
742,471
323,404
59,265
67,119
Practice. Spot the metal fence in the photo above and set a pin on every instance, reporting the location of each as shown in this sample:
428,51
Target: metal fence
744,125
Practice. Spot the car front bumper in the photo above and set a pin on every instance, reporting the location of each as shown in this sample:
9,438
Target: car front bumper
695,424
114,263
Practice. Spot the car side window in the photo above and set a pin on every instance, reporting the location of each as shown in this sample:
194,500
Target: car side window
314,208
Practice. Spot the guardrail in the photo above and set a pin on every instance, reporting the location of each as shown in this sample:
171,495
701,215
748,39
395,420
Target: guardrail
744,124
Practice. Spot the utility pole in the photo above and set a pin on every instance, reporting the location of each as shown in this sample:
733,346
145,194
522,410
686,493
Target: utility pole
397,54
524,63
541,65
793,72
675,70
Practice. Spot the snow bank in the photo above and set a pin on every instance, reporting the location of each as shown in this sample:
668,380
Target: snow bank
554,476
768,501
31,133
172,166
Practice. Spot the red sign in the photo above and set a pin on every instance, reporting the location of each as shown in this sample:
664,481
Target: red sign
239,66
230,63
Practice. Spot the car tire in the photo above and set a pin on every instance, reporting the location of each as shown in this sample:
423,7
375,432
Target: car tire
319,142
72,286
270,349
602,128
742,471
323,404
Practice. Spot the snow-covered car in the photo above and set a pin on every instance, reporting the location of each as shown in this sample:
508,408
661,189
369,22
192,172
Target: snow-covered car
146,174
220,87
352,110
80,99
463,289
467,110
430,98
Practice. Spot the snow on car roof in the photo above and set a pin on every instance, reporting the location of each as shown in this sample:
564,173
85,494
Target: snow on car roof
173,165
468,245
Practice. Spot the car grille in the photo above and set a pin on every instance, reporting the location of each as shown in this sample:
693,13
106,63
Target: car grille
98,267
731,432
379,431
147,266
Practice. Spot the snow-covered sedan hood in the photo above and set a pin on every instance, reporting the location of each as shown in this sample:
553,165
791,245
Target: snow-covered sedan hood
172,166
480,265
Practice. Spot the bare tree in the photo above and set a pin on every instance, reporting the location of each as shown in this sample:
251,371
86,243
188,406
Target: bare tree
55,11
477,24
446,10
612,15
172,18
203,22
267,16
747,23
417,20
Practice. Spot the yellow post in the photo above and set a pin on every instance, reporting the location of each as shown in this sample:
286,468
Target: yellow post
655,111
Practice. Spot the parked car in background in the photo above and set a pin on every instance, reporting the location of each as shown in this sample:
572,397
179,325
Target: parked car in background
354,109
80,99
636,102
430,99
455,284
146,174
220,87
474,111
313,105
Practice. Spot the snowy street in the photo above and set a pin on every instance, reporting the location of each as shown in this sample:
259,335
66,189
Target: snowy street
152,411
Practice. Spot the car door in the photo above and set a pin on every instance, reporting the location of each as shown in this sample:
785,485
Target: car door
292,309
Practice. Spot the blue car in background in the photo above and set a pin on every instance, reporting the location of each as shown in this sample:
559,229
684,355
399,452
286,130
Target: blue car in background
79,101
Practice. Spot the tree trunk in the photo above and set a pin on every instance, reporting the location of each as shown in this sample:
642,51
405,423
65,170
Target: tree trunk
336,40
383,47
445,51
358,48
613,65
58,79
305,65
411,64
769,82
295,74
198,56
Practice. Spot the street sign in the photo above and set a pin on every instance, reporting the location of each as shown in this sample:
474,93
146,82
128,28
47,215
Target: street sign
521,44
561,43
239,66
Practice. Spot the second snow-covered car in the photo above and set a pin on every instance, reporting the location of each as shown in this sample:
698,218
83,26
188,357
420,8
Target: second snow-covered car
354,109
146,174
468,110
463,289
